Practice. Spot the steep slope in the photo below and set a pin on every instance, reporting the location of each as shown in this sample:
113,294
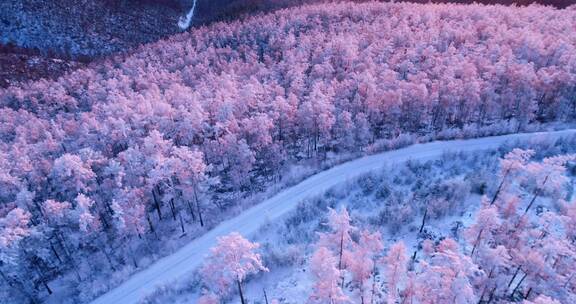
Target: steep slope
21,65
85,29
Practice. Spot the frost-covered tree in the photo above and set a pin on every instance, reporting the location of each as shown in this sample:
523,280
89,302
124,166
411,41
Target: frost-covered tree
14,228
395,269
192,180
72,174
339,238
487,220
230,262
446,276
326,289
87,221
511,166
362,264
547,177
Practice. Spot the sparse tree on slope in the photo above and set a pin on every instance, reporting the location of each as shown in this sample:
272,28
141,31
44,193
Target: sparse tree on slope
230,262
547,177
487,220
339,240
396,267
326,289
362,263
511,166
447,276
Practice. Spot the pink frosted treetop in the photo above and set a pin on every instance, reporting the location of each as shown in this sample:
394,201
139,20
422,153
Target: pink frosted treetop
326,289
14,227
231,260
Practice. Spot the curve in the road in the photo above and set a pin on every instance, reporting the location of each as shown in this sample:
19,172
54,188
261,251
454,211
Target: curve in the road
189,257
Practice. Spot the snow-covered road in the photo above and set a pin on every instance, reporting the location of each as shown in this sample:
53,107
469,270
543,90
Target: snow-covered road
189,257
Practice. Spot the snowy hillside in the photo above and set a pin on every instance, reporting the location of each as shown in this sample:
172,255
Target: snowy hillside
399,223
88,28
442,198
112,167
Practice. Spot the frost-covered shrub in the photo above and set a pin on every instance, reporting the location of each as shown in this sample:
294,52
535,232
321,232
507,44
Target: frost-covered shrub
382,191
368,183
397,142
281,255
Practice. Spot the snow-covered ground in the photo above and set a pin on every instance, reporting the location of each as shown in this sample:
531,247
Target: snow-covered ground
188,258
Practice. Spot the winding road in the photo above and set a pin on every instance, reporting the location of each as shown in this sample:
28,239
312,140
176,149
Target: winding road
189,257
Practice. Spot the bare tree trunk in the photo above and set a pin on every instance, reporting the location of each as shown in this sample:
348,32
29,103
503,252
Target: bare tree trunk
240,291
476,242
485,287
514,277
108,258
104,221
413,260
340,258
265,296
528,293
482,295
536,194
173,208
569,279
39,207
156,203
491,297
198,207
499,188
519,283
6,279
181,223
42,278
191,210
62,243
423,220
128,248
134,261
20,288
373,283
151,226
55,252
46,286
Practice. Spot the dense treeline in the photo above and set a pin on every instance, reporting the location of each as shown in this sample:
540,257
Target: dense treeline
84,30
105,161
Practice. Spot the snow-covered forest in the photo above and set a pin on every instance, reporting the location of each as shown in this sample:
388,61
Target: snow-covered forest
108,168
439,231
